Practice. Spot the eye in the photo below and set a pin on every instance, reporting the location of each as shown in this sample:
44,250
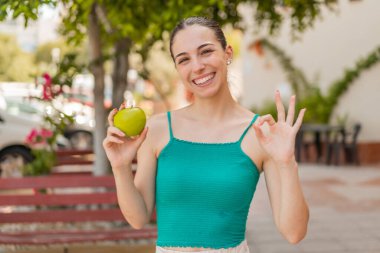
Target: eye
182,60
206,51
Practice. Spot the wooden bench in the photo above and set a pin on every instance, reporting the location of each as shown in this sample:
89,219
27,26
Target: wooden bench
73,162
55,199
76,162
74,157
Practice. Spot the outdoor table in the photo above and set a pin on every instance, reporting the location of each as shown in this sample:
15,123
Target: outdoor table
320,132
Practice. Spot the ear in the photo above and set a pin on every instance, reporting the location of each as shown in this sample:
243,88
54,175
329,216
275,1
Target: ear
229,53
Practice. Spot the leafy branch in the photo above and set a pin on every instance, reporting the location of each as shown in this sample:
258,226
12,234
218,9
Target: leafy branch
320,107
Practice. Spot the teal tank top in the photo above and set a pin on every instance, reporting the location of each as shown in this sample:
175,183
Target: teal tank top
203,193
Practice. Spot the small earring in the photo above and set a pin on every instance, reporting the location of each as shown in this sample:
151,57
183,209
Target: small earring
229,62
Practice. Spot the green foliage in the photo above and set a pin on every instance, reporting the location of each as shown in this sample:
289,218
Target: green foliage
302,14
67,68
19,66
71,60
15,65
268,107
27,9
43,52
341,85
43,161
58,121
318,107
74,23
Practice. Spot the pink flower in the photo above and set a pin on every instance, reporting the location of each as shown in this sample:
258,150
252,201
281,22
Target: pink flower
47,79
47,93
46,133
31,137
38,138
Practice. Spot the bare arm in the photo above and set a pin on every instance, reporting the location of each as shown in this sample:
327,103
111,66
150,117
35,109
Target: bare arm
135,194
290,210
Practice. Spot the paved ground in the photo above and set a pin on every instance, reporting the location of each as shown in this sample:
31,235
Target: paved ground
344,213
345,216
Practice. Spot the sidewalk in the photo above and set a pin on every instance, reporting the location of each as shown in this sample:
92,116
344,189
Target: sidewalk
344,207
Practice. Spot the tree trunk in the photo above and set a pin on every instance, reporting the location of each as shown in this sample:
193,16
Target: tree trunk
120,71
97,69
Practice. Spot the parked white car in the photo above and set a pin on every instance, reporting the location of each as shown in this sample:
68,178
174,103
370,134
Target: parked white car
17,120
14,153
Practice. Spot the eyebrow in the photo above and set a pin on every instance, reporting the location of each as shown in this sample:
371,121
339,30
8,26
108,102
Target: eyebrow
200,47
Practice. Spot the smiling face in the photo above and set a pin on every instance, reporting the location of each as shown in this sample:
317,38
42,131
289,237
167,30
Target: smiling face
201,60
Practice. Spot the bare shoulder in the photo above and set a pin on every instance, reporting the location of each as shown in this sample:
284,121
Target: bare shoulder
157,124
160,121
156,121
250,144
158,131
246,114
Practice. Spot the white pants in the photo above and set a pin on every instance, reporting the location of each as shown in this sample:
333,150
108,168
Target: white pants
241,248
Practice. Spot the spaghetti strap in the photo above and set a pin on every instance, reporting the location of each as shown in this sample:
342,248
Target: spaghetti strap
170,125
246,130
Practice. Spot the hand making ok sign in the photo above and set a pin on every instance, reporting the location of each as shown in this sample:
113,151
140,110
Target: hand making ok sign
279,142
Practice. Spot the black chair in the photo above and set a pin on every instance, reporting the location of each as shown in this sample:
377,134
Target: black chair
346,142
306,146
350,148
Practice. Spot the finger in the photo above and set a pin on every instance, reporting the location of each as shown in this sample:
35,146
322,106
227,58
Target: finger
290,116
110,116
115,131
259,133
116,139
112,139
280,107
122,106
268,118
298,123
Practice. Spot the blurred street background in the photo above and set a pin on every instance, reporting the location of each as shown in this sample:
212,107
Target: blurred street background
65,64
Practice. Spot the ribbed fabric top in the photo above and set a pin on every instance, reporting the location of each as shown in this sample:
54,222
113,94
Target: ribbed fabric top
203,193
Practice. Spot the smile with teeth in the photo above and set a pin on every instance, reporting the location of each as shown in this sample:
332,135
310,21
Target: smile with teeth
203,80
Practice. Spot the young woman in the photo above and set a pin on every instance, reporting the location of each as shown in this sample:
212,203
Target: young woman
199,165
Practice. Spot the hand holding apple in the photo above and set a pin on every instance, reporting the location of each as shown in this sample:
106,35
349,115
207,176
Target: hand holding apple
124,123
130,120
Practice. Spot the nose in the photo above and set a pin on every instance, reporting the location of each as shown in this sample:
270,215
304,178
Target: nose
198,65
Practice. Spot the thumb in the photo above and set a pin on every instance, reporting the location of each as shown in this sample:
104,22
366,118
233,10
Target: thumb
259,132
142,136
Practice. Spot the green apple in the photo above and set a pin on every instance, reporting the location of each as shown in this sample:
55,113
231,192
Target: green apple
130,120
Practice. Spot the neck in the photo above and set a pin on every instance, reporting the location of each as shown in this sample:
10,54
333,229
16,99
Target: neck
213,109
